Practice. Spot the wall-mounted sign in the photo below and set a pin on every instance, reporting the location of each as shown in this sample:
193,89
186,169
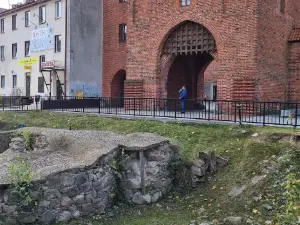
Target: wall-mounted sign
27,67
48,65
28,61
79,95
42,39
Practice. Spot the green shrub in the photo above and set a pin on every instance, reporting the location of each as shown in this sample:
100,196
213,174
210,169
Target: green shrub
21,178
27,136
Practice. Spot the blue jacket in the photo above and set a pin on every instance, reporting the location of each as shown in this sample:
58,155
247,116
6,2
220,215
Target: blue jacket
183,93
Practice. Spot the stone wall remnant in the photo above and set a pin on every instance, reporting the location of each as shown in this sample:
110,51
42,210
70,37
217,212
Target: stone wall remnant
83,178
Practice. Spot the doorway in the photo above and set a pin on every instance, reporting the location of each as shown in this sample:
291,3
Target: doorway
190,47
59,90
28,84
117,88
188,70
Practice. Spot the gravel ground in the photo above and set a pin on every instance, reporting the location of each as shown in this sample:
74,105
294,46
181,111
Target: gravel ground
70,149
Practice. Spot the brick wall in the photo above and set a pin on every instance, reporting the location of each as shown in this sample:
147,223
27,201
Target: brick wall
211,72
273,48
294,71
235,40
251,37
114,52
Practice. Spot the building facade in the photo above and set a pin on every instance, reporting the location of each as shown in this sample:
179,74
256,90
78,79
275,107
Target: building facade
224,49
51,48
30,34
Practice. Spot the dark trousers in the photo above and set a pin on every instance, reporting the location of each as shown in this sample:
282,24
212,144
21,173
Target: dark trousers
182,105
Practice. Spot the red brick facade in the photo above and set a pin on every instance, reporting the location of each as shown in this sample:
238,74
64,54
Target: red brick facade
254,59
114,53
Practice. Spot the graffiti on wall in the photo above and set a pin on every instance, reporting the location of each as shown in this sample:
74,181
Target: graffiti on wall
85,90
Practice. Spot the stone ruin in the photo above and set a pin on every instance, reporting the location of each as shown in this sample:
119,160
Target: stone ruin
81,173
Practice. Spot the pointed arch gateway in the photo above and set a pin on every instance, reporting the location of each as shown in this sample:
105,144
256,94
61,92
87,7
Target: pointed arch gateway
117,88
190,48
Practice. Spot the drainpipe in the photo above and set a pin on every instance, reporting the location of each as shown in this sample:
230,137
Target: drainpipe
66,34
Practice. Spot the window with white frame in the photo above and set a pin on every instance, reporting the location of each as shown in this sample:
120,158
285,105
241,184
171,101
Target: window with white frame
41,85
2,25
14,81
2,49
14,50
282,6
42,59
27,19
122,33
57,43
42,14
58,10
185,2
2,81
14,22
27,48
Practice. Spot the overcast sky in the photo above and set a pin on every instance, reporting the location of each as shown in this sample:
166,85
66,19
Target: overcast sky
4,3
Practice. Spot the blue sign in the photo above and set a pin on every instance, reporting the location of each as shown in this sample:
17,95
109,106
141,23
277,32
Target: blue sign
42,39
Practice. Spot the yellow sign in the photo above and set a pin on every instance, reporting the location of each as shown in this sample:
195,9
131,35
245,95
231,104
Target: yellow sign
28,61
79,95
27,67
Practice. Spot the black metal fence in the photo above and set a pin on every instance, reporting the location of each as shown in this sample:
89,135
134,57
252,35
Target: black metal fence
265,113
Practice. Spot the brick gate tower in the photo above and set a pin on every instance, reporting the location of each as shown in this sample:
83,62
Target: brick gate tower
227,49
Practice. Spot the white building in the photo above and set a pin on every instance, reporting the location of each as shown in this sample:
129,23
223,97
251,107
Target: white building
29,35
50,31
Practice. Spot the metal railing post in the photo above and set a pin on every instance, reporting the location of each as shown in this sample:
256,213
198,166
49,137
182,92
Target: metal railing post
83,104
175,109
62,103
208,110
99,107
264,114
235,112
134,107
154,102
240,113
118,102
296,116
49,104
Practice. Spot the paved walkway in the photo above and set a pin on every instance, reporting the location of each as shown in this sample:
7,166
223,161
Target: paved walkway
270,120
196,116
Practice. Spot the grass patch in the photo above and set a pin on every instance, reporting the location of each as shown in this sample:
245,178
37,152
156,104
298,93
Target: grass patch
247,158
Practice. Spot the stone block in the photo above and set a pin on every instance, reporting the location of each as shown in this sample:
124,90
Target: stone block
81,179
27,218
10,209
137,198
35,195
76,214
133,184
67,179
66,201
64,216
47,217
71,191
43,205
87,209
51,193
13,197
156,196
79,199
85,187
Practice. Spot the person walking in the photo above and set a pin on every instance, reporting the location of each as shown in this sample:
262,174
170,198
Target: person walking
183,96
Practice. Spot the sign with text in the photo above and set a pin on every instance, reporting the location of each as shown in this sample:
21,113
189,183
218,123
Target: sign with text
27,67
48,65
28,61
42,39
